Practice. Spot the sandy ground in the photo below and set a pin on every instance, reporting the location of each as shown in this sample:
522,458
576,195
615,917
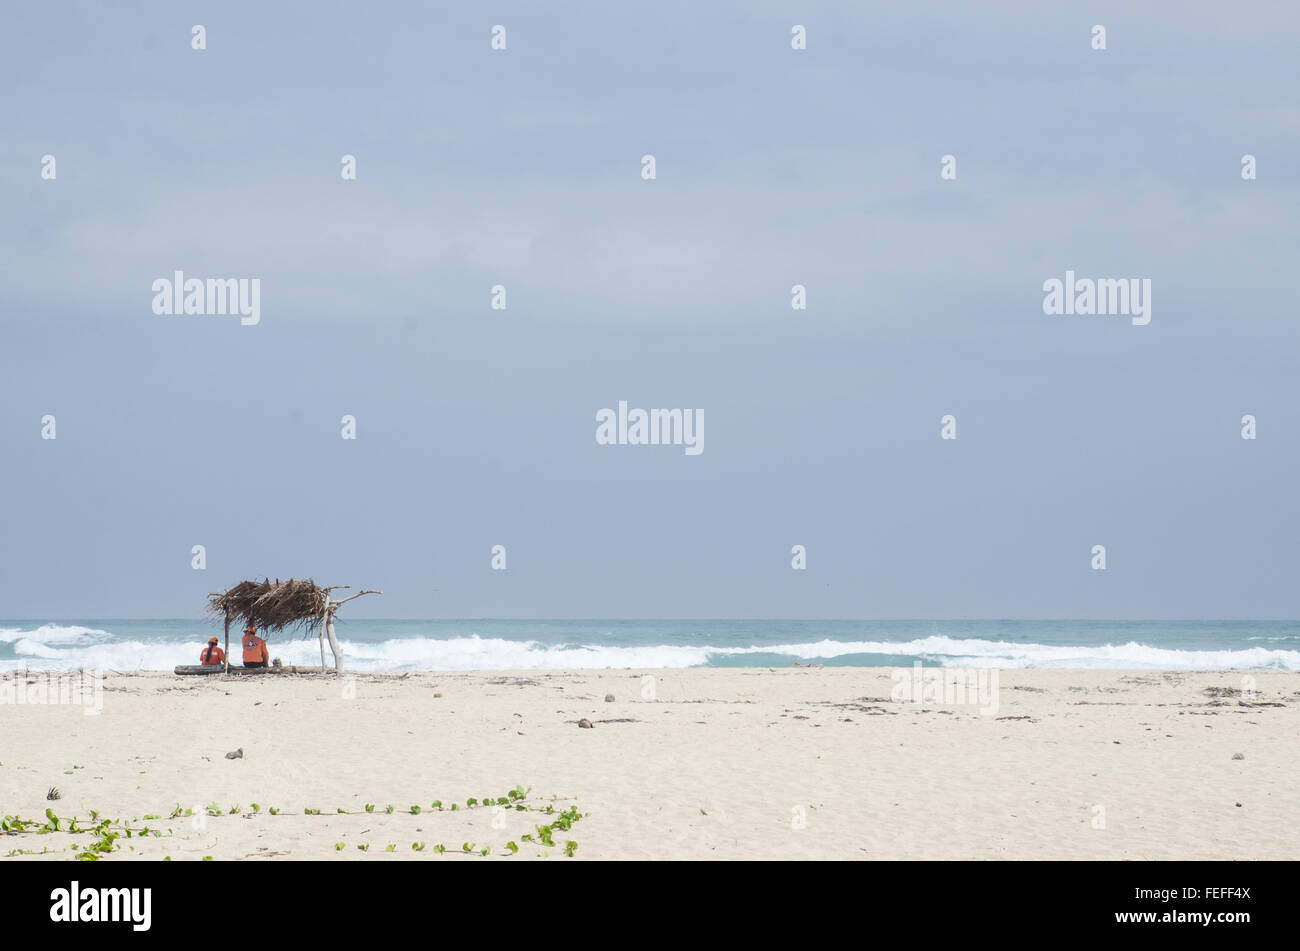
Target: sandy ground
806,763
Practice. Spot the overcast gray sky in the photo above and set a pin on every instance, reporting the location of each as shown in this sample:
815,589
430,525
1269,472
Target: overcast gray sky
522,167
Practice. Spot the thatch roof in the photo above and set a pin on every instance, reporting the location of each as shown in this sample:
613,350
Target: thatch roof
273,605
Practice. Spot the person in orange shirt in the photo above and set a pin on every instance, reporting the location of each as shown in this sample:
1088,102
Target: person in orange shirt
212,655
255,654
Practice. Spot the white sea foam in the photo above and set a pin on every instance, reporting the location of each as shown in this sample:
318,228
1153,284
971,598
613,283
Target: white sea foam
56,647
966,652
54,634
493,653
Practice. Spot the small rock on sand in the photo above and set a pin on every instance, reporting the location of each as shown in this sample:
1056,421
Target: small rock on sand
585,724
237,754
609,698
1238,755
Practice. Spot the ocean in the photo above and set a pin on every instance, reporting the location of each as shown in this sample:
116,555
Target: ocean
397,645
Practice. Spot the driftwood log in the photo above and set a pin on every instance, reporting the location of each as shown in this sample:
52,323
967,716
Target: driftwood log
201,670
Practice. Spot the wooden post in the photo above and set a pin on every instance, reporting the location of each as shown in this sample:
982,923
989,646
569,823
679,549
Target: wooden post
321,638
334,644
227,666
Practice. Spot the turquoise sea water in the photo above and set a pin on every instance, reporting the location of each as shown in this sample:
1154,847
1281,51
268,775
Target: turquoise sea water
550,644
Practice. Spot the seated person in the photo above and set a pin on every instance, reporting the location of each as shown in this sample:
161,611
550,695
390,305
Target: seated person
212,655
255,654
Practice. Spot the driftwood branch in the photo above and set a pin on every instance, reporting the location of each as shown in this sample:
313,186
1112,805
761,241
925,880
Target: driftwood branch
355,596
331,606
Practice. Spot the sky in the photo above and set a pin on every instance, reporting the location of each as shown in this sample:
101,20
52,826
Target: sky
522,167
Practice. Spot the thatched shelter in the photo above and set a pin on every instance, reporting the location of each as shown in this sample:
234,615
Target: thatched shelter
283,605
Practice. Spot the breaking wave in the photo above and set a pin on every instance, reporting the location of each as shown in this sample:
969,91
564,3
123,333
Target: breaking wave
53,646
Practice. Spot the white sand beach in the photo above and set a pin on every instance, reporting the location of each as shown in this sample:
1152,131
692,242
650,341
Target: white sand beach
800,763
